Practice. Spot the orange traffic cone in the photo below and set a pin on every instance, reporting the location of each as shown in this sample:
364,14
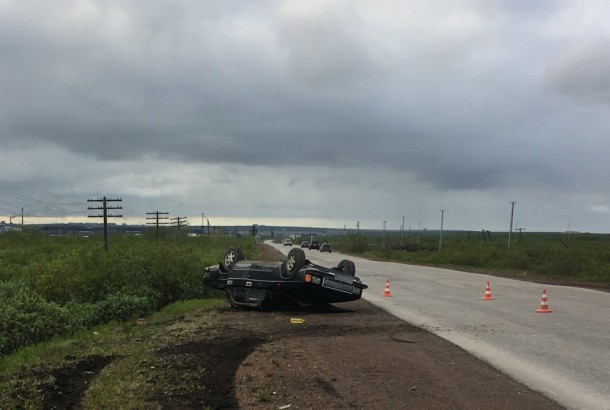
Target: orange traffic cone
386,291
487,295
544,304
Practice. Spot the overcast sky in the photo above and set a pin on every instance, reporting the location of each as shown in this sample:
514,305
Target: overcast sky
317,113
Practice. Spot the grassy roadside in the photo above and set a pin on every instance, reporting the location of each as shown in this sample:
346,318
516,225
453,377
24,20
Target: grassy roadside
126,365
121,364
117,365
577,258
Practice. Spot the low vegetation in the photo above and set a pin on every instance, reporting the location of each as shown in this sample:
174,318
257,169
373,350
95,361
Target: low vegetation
116,365
70,309
56,286
575,257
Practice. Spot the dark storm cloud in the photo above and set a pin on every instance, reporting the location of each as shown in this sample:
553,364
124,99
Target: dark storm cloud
583,73
468,95
192,87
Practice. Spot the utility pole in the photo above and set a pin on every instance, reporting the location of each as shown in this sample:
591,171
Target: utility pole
510,232
105,208
179,222
440,238
402,230
521,229
158,218
254,232
383,237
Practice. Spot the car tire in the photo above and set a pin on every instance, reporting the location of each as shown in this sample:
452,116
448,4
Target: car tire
295,260
230,258
347,266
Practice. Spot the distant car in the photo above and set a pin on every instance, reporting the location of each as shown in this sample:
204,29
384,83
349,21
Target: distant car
304,244
326,248
314,245
287,242
295,281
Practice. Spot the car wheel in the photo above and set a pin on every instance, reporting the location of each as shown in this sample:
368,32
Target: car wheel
294,261
232,256
347,266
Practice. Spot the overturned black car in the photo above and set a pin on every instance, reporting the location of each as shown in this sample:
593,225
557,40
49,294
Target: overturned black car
296,281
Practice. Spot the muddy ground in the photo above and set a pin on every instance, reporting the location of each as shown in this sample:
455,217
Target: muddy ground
362,358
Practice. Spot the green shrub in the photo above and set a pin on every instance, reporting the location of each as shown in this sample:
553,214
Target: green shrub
59,279
356,243
518,260
52,286
27,318
121,307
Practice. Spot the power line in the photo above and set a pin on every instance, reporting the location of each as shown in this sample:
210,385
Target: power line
16,193
179,222
159,219
27,190
105,208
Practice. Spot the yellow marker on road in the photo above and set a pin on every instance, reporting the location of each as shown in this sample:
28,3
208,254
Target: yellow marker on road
297,320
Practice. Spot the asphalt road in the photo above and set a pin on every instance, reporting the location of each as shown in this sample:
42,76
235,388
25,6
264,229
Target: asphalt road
564,354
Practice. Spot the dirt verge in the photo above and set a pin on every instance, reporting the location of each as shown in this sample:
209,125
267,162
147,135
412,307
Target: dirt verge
363,358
